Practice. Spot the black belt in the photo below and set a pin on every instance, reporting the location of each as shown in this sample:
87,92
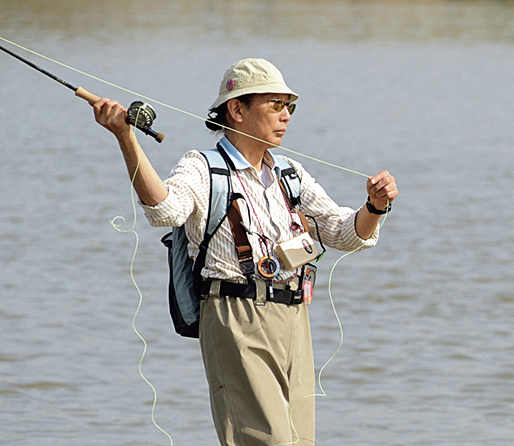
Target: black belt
247,291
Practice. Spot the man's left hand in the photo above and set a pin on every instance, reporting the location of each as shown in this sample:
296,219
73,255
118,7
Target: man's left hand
382,189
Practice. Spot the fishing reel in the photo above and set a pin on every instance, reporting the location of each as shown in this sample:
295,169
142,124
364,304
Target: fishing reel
141,115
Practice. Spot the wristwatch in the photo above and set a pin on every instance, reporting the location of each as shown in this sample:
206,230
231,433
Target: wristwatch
373,210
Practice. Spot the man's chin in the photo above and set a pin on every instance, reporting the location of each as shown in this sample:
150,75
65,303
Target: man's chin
275,142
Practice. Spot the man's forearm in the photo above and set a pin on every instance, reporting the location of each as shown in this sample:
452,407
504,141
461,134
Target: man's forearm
366,223
147,183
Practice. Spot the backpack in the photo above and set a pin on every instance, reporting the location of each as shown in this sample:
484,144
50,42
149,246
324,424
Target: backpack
185,274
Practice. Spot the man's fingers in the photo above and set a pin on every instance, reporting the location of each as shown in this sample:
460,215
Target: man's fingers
382,186
380,180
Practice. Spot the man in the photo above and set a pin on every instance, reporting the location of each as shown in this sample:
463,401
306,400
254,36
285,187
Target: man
258,358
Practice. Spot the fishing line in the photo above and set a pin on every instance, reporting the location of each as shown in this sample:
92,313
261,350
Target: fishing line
116,226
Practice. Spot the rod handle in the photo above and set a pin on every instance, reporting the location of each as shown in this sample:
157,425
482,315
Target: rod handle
84,94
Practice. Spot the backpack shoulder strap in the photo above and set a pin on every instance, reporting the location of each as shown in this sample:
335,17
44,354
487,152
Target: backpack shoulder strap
291,188
220,190
224,204
219,203
290,181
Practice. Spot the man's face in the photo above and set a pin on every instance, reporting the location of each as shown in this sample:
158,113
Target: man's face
263,121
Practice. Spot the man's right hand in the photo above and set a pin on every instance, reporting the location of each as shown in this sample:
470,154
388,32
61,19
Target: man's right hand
112,115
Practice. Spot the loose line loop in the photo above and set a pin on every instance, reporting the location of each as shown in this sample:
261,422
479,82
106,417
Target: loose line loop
118,228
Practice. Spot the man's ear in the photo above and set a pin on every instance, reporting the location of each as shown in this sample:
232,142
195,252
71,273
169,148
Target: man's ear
235,109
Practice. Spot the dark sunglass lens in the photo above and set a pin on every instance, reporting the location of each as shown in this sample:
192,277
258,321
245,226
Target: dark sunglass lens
292,108
278,106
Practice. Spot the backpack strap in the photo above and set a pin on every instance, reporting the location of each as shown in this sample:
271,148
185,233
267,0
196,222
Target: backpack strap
219,202
220,189
290,181
233,213
291,188
223,204
303,218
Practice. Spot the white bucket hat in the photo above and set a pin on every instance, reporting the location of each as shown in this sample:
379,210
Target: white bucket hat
251,76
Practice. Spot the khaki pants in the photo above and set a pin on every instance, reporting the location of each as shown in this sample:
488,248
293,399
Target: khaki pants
259,365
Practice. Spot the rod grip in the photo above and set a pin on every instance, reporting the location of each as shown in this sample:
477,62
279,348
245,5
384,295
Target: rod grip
84,94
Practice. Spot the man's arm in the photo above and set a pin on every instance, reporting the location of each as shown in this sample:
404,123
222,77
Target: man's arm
147,183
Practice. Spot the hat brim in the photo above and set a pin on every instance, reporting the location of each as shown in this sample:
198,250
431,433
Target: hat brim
278,88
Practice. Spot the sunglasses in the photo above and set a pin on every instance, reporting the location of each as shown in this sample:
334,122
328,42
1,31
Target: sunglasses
279,105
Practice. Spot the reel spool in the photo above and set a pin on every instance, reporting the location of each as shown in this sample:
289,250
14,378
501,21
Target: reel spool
141,115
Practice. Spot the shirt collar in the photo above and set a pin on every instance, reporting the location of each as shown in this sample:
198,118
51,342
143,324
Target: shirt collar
240,161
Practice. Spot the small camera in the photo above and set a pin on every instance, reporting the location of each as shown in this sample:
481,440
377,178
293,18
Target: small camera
297,252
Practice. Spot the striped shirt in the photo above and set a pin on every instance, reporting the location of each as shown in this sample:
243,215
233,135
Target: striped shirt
263,210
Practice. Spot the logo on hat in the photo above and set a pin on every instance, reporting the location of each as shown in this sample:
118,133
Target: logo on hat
230,85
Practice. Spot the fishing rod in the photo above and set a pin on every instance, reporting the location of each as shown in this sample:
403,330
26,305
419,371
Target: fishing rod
140,114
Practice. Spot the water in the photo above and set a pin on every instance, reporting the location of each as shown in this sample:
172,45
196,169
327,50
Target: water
423,90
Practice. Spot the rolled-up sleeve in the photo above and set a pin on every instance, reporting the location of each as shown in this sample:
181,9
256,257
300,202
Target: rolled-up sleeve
188,193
